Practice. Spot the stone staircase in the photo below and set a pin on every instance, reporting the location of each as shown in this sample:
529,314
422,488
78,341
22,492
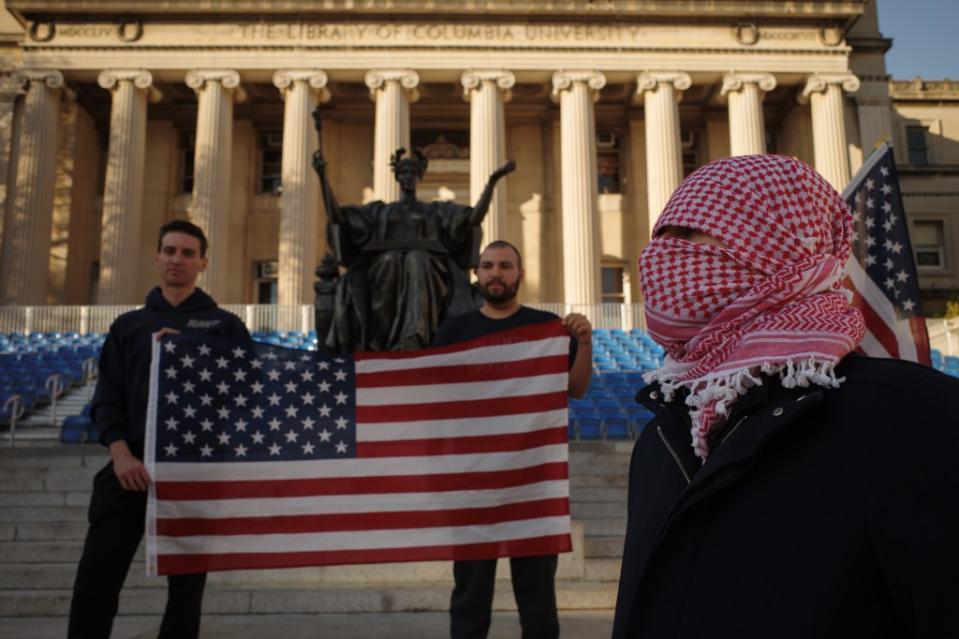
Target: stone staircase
44,493
42,426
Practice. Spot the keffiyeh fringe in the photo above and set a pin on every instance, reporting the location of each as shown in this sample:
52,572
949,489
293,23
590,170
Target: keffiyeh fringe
714,396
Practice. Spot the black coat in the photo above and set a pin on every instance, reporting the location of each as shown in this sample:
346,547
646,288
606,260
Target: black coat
822,513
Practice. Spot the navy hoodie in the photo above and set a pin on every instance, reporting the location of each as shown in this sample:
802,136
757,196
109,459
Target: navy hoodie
120,401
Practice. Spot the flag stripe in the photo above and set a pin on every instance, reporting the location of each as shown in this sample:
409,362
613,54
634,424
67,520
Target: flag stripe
502,424
505,350
875,310
184,563
462,373
344,468
383,484
531,336
361,521
384,537
429,394
463,445
381,502
465,408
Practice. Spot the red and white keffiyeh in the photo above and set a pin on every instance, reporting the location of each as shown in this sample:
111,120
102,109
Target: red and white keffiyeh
770,302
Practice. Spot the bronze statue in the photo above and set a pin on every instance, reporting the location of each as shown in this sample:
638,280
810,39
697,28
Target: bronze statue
406,261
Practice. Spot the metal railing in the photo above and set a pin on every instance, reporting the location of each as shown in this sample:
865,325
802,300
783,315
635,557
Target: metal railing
260,317
943,334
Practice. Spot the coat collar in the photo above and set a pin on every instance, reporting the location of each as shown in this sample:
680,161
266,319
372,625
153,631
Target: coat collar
759,415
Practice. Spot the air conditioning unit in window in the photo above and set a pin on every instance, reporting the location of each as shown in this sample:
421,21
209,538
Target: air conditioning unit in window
605,140
267,270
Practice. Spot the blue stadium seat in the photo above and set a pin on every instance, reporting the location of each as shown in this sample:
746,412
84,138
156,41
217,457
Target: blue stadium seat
617,428
589,429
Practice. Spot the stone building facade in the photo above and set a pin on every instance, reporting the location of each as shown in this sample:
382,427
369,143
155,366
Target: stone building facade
118,116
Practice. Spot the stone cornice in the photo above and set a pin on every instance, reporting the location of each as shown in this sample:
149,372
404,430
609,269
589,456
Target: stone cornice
564,80
735,81
315,78
844,10
53,79
197,79
919,89
473,78
651,81
819,82
141,79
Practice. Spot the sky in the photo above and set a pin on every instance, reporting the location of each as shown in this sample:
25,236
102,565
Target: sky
925,37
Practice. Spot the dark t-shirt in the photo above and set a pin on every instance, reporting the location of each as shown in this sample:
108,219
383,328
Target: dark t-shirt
467,326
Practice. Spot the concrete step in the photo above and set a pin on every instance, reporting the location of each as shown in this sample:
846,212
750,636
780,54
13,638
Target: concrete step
597,509
70,403
433,596
54,457
610,547
24,576
35,499
43,531
42,551
591,480
603,569
603,527
42,498
43,513
605,493
58,551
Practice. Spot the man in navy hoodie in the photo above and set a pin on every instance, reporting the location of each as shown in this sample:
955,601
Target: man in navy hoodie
118,505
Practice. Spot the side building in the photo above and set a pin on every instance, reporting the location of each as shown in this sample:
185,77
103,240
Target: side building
926,137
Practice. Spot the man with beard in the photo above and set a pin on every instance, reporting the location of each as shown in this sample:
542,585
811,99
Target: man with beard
499,275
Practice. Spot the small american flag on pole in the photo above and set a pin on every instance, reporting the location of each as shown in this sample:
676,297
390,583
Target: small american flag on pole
882,272
266,457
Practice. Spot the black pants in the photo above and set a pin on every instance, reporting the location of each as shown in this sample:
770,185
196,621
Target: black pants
533,586
116,528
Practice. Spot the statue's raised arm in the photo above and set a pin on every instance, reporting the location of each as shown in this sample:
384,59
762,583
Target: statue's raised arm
333,209
482,204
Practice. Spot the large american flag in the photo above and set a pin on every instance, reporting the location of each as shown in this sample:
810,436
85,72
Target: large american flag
267,457
882,272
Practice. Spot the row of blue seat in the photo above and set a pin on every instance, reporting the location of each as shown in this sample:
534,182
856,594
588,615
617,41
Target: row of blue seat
607,412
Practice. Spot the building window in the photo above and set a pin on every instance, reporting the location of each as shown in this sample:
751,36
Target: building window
607,162
266,287
187,148
928,244
271,162
771,142
917,144
689,144
613,285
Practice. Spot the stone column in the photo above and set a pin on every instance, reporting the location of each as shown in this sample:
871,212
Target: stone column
745,92
486,92
123,190
824,93
392,90
577,91
299,203
10,91
25,264
660,92
210,207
